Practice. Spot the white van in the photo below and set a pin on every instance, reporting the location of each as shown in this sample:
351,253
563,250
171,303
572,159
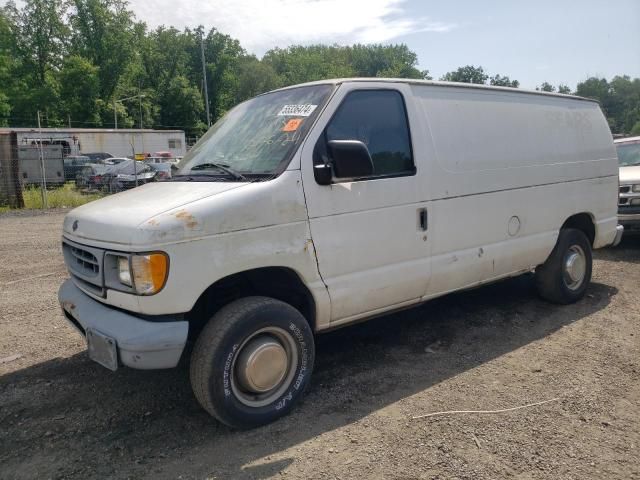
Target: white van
315,206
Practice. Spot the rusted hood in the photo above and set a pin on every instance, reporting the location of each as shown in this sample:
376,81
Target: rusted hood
115,218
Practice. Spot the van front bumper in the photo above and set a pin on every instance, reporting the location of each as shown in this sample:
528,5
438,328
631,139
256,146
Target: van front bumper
630,221
139,343
618,238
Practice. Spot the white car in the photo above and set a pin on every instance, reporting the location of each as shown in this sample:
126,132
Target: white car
629,203
320,205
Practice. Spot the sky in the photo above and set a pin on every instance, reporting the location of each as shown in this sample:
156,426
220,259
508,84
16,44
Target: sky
558,41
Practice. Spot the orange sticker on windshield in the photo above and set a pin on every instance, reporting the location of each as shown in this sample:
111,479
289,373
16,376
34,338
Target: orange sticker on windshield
292,125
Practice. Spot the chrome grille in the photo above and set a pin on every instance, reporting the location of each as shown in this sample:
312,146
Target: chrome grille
627,196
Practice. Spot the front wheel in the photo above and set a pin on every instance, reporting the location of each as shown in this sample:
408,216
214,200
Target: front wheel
252,361
566,274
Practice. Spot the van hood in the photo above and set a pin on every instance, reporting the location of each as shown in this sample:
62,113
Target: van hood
113,219
630,174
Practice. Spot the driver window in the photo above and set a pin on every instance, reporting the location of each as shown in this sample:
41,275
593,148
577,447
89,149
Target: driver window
378,119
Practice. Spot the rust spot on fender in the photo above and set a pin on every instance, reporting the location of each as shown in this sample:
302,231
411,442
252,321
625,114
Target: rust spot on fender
153,222
308,244
188,219
68,305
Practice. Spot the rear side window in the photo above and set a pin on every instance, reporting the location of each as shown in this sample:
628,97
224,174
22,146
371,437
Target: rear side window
378,119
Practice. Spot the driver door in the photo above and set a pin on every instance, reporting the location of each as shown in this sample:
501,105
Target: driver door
370,233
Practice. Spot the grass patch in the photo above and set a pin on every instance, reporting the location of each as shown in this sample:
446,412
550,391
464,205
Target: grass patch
66,196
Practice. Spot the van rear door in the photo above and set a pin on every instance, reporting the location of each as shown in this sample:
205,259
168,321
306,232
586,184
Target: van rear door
371,233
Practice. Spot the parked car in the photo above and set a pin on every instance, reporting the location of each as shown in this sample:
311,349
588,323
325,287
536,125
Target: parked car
98,157
163,154
91,176
116,160
163,170
73,164
152,160
320,205
128,174
629,202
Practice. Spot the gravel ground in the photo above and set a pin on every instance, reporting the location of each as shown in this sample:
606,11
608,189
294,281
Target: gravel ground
497,347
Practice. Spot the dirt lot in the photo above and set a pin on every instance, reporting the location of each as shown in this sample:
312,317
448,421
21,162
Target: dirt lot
62,416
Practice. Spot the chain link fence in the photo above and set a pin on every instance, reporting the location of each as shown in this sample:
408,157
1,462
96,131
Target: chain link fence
38,175
33,176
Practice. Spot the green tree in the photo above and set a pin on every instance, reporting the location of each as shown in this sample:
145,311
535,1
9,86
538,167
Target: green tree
564,89
103,33
39,33
391,61
80,91
619,99
299,64
624,102
7,67
500,81
253,77
222,54
182,106
598,89
546,87
467,74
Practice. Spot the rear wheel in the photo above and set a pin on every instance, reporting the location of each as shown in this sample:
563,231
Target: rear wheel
252,361
566,274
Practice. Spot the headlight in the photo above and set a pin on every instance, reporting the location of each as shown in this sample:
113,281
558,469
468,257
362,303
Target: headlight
124,271
146,273
635,188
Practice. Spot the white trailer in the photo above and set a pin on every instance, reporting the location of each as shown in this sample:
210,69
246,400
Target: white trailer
33,168
119,143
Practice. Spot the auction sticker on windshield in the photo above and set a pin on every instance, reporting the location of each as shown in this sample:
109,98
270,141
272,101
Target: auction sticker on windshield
292,125
297,110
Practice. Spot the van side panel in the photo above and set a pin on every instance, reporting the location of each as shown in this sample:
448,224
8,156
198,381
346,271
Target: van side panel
475,241
507,170
487,141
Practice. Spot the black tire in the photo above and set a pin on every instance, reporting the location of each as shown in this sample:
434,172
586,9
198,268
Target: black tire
214,377
552,280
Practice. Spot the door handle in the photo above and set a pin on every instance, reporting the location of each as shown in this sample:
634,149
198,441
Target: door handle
424,219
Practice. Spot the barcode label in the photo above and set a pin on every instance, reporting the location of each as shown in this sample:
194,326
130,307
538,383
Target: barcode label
297,110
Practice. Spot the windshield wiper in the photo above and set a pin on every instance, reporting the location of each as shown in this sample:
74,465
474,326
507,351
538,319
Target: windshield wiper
198,177
220,166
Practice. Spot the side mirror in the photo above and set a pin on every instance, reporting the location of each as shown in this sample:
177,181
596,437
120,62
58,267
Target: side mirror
350,158
323,173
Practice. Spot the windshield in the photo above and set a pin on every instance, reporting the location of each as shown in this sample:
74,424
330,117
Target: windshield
628,154
256,137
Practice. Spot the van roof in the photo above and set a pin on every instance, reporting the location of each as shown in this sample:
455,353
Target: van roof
337,81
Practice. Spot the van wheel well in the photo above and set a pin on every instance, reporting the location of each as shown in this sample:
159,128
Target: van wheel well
582,222
276,282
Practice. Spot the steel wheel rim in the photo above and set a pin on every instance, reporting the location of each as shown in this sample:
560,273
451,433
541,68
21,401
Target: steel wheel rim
252,383
574,267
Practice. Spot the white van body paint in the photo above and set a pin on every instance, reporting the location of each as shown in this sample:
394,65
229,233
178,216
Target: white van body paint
498,172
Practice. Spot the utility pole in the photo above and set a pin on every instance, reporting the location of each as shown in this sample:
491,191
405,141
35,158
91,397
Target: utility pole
140,98
204,76
45,199
115,114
